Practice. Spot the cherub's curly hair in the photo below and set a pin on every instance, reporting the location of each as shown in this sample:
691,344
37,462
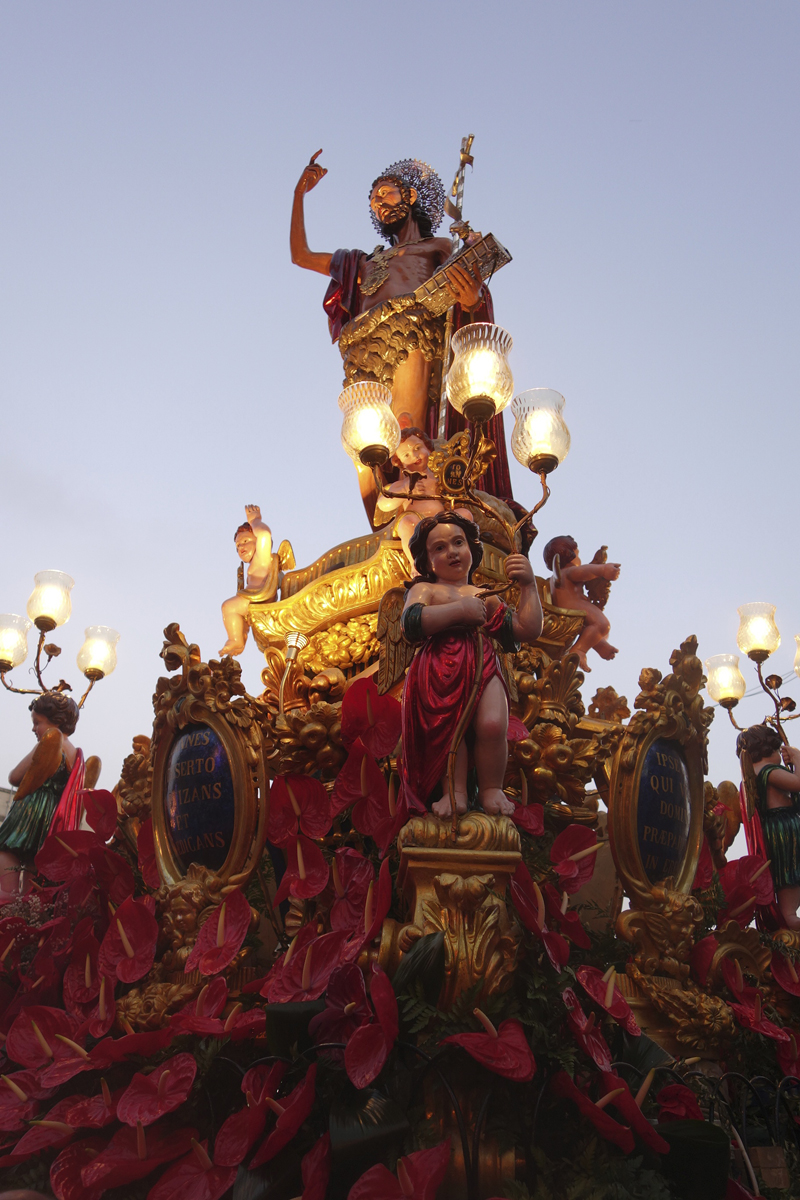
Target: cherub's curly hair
418,543
246,528
759,741
58,709
564,546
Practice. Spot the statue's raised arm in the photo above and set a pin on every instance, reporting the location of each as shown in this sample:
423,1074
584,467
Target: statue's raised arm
298,243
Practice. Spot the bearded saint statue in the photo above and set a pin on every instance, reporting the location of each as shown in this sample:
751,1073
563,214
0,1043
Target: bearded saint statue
385,335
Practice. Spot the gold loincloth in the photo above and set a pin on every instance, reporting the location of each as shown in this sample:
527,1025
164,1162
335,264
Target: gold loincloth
375,343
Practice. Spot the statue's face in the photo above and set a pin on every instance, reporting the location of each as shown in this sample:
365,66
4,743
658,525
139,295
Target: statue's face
388,203
40,725
246,546
412,454
449,555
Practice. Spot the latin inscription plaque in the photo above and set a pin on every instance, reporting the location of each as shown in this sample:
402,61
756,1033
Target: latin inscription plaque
664,810
200,798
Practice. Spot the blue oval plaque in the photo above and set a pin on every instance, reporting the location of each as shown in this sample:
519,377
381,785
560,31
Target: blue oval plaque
664,810
200,798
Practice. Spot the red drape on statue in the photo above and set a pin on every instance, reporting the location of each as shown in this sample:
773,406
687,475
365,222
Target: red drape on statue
435,694
68,813
768,916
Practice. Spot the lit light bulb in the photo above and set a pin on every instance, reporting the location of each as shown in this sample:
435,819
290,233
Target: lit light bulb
797,655
50,604
97,656
13,640
725,683
758,635
540,440
479,382
370,430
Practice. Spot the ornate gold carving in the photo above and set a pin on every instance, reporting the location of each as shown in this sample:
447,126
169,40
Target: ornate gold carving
696,1020
663,931
460,891
182,909
790,938
136,781
151,1004
742,945
340,594
606,705
345,644
305,741
212,694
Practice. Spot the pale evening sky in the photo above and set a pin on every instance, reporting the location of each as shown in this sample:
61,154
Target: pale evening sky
162,362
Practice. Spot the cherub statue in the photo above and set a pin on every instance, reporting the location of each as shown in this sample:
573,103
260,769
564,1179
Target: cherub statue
412,457
771,775
454,685
573,585
264,576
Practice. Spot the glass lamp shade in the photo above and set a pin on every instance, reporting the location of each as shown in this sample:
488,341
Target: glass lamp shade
97,656
479,382
540,440
13,640
758,635
50,603
725,683
370,431
797,654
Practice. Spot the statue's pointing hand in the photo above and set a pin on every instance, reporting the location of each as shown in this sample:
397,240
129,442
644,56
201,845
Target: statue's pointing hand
465,285
311,174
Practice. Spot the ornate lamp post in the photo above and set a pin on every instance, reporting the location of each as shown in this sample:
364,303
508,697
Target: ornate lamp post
49,606
758,637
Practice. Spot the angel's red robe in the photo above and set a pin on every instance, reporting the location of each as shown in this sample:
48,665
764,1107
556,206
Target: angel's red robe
435,694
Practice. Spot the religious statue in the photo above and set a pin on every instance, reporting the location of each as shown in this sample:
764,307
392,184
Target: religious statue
385,332
264,576
412,457
585,587
48,781
771,770
454,684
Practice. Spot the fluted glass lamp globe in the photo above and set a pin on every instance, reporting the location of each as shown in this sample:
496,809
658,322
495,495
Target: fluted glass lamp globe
797,654
540,440
97,656
50,603
758,635
370,430
13,640
725,683
479,382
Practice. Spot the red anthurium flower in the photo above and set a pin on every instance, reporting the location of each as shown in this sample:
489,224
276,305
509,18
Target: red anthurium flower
604,990
94,1112
373,718
370,1045
81,977
112,1050
704,875
419,1177
291,1112
749,1014
747,884
129,946
504,1050
678,1103
149,1097
701,957
202,1014
17,1104
623,1099
15,934
220,938
529,817
789,1053
362,783
146,855
306,871
312,961
50,1130
587,1034
32,1040
113,873
378,907
64,857
101,811
564,919
316,1170
529,902
786,973
346,1007
241,1131
352,876
65,1172
297,804
573,856
193,1178
133,1153
606,1126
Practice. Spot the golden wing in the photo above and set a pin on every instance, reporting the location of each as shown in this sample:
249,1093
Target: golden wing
92,772
286,559
598,590
45,762
728,794
396,653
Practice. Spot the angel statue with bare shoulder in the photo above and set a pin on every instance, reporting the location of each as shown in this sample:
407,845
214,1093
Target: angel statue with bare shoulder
264,576
585,586
455,700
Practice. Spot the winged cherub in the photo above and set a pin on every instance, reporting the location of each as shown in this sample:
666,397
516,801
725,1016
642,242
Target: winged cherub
264,575
454,685
585,587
